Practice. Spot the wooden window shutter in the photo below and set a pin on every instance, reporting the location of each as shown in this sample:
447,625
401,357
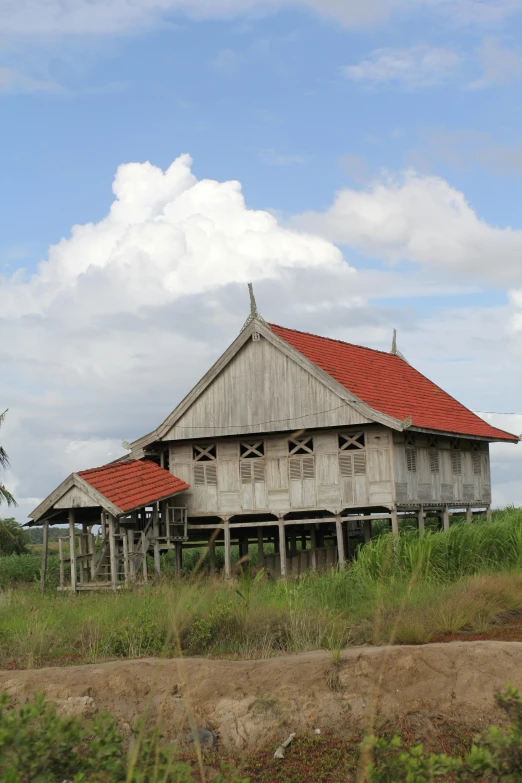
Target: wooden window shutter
456,462
359,464
199,474
259,471
246,472
308,467
411,459
434,461
211,474
477,463
346,465
295,468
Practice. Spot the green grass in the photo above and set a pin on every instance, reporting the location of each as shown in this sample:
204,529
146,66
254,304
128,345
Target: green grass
404,591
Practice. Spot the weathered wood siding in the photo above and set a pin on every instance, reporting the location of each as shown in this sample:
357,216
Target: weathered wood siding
279,482
440,469
74,498
262,390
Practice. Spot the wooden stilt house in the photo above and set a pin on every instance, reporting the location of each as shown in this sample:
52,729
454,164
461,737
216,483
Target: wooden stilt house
295,440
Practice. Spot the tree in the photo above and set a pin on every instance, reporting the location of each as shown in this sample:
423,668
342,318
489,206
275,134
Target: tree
5,495
13,538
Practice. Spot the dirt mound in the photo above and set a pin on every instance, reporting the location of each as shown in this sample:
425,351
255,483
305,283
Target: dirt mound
246,702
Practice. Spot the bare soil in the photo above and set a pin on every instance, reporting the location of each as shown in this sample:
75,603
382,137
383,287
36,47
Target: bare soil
249,703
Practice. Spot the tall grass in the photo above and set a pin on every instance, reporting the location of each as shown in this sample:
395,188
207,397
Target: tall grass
407,589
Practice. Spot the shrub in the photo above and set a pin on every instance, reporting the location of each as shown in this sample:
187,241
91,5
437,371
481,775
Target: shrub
13,538
36,745
495,756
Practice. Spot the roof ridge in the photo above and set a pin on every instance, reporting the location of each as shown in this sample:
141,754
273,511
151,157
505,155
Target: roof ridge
336,340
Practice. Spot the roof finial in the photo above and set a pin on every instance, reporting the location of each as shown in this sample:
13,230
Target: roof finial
394,350
254,315
253,305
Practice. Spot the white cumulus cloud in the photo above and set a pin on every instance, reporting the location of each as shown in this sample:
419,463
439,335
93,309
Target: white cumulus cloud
421,219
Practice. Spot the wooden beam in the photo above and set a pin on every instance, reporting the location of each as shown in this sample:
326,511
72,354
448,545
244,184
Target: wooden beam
45,545
367,531
155,533
445,519
282,547
72,546
420,519
469,515
144,551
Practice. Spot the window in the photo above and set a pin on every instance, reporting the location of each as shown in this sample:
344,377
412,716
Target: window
252,450
300,445
352,464
351,442
252,471
476,459
456,458
205,474
205,453
301,468
411,459
434,460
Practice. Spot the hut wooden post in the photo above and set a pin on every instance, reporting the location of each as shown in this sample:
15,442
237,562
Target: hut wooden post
112,553
260,551
469,515
144,551
313,547
340,539
489,512
131,555
420,517
62,568
226,532
81,553
155,532
445,519
45,545
282,546
93,559
367,531
394,522
72,549
125,543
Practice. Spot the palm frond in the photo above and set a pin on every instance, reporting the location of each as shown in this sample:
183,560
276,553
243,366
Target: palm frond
5,496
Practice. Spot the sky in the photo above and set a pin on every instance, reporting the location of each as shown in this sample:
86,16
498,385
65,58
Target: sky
360,163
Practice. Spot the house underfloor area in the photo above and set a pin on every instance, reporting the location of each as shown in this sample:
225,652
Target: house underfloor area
101,551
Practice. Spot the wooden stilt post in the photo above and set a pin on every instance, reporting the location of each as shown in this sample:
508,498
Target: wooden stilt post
112,552
489,512
155,532
282,546
313,547
45,545
340,539
469,515
367,531
394,522
260,550
226,536
445,519
62,568
82,552
131,550
420,518
72,548
144,552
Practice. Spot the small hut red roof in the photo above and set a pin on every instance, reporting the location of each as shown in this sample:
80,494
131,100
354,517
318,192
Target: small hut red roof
388,384
132,484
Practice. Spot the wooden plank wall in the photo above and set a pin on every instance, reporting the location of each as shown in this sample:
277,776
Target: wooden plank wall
428,469
262,390
281,482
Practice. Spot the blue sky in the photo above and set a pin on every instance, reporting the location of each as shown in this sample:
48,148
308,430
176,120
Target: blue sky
391,142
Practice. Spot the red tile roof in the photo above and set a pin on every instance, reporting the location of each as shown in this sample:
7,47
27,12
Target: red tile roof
390,385
132,484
